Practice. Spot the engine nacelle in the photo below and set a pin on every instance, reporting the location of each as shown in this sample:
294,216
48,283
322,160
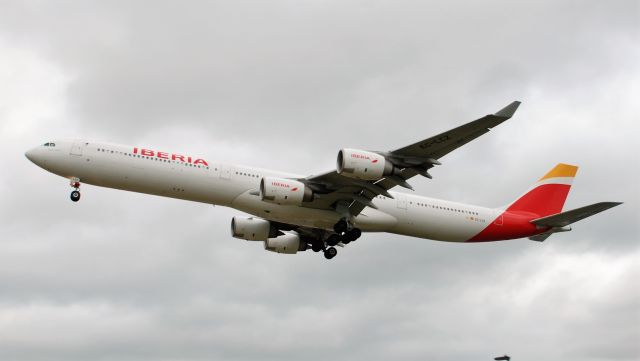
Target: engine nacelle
284,191
288,243
360,164
252,228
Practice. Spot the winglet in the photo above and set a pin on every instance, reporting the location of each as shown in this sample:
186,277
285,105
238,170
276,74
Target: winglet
508,111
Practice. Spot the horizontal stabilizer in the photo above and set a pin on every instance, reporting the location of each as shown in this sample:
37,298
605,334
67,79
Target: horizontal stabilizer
541,237
574,215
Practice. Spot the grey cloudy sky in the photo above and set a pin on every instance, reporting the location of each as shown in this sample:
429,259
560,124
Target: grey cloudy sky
284,85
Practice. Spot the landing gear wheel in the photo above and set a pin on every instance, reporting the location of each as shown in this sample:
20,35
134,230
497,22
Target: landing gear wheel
316,247
353,234
333,240
75,184
330,252
341,226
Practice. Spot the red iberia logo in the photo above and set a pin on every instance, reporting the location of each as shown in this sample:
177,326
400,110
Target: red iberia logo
359,156
363,156
280,184
170,156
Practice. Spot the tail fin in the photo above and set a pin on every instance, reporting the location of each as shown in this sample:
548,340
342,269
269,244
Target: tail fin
547,196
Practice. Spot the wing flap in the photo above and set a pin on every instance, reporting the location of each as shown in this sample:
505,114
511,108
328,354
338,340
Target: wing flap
574,215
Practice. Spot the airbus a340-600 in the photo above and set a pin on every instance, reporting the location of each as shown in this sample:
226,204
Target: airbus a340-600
292,213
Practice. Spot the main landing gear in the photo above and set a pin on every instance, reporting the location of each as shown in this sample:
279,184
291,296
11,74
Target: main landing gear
329,252
345,233
341,227
75,195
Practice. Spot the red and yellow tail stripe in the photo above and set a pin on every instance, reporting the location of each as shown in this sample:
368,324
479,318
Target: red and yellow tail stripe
560,173
546,197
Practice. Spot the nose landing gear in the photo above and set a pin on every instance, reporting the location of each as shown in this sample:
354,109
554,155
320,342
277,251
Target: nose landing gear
75,183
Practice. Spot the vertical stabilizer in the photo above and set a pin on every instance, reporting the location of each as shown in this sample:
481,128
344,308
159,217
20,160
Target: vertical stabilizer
548,195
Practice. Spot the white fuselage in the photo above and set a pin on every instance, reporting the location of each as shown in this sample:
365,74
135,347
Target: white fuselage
124,167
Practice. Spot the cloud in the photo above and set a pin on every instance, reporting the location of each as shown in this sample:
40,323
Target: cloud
282,85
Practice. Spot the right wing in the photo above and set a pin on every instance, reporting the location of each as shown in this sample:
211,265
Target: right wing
332,188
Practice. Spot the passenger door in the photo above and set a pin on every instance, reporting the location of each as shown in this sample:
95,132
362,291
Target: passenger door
77,147
402,200
225,171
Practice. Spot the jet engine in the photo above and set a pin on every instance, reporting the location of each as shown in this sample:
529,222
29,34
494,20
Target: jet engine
252,228
360,164
284,191
288,243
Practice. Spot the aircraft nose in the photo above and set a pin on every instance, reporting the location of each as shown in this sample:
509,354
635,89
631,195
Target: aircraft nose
30,154
35,156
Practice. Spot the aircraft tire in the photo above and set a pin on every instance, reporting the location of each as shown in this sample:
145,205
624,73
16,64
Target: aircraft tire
333,240
341,226
354,234
316,247
330,252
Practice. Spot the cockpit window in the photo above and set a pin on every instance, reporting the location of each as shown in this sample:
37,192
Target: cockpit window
49,144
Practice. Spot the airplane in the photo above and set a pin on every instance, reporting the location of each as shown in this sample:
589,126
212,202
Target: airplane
292,213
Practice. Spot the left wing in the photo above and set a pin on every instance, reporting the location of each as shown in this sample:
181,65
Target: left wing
349,195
